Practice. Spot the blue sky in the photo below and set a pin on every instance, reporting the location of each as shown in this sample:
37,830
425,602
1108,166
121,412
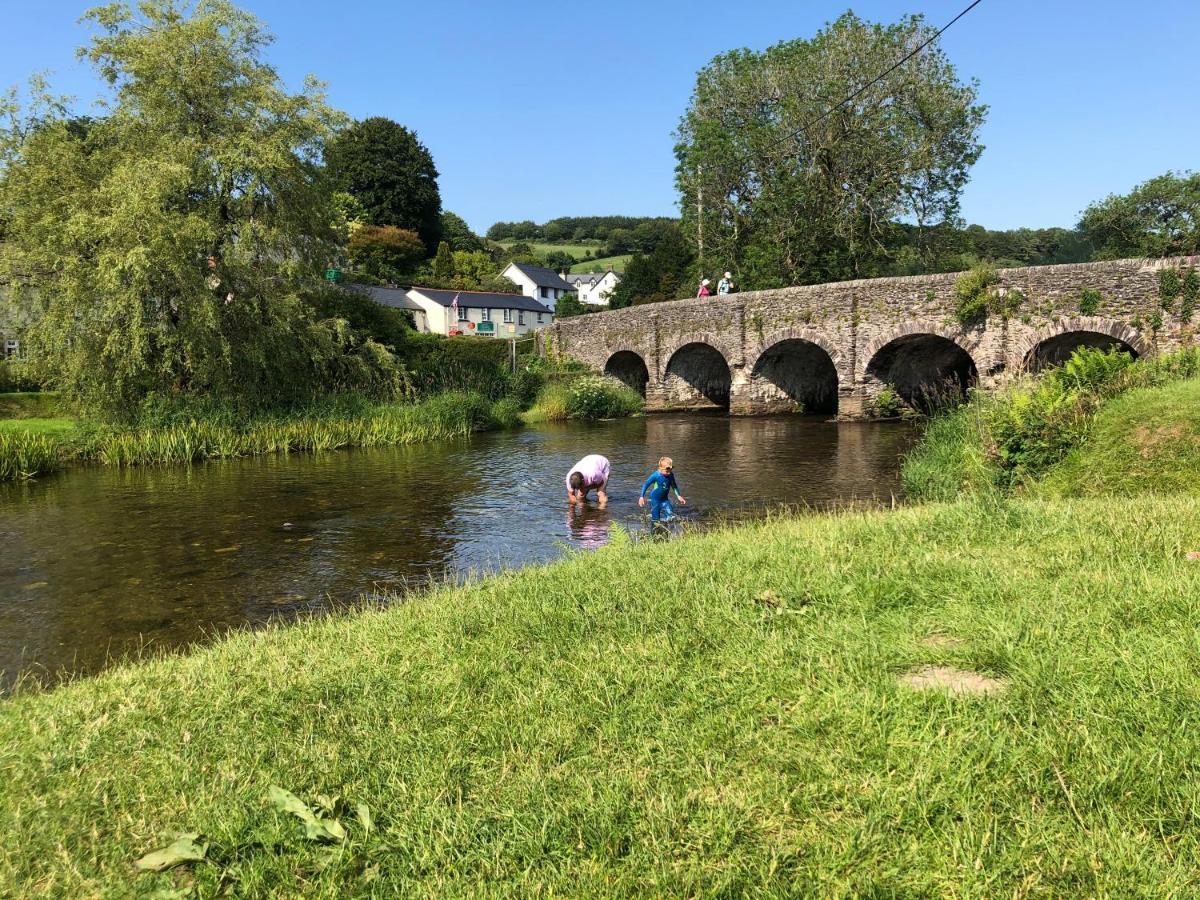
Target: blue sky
538,109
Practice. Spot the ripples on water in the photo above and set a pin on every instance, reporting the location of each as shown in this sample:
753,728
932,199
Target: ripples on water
97,562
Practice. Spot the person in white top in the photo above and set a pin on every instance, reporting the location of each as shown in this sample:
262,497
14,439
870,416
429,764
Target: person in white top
590,472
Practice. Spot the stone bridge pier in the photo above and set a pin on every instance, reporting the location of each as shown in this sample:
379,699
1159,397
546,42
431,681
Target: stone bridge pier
835,349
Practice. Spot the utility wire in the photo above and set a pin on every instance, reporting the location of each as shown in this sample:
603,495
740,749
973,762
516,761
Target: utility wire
870,84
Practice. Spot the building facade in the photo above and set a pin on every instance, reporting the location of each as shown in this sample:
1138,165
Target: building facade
594,288
481,313
538,283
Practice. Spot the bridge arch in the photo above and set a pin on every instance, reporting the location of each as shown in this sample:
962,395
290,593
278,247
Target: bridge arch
795,368
927,365
697,375
1054,344
629,368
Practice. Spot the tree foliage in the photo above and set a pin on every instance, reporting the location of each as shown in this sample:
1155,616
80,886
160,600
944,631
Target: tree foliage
391,174
385,253
458,234
664,274
1160,217
784,193
169,244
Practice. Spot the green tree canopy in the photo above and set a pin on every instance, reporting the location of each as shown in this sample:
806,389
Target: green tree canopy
784,193
169,243
391,174
1158,218
384,252
664,274
458,234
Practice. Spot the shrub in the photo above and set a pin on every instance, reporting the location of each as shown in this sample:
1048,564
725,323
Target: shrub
601,398
1191,294
1089,301
384,251
16,377
973,290
888,404
1169,287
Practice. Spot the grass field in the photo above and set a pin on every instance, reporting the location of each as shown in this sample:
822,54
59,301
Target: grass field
719,715
617,262
541,248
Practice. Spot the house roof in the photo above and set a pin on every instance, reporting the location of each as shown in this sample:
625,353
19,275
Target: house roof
394,297
541,276
482,300
593,277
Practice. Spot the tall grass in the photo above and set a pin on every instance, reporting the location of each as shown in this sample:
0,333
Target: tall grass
445,416
24,455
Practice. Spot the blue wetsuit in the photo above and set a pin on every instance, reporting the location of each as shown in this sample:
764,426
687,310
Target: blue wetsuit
660,487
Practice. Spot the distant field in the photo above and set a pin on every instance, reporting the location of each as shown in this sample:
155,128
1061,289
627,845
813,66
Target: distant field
617,262
542,248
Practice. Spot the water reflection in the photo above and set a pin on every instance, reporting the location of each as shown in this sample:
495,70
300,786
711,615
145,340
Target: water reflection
97,562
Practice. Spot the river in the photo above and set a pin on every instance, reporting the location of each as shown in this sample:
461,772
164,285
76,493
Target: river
96,563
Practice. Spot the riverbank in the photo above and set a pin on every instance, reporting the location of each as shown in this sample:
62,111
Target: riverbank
723,713
35,440
1100,424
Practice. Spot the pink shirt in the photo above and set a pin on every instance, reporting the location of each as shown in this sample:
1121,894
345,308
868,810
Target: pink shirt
594,470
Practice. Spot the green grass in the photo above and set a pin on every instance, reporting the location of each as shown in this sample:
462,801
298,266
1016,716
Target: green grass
541,248
638,722
620,263
57,427
28,406
1145,441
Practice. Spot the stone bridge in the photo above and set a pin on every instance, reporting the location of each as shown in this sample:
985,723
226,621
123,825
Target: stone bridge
831,348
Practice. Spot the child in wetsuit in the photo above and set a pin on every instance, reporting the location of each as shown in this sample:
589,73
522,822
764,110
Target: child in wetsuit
660,484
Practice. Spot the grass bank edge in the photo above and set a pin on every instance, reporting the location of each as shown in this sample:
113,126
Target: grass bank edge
31,447
1013,438
572,727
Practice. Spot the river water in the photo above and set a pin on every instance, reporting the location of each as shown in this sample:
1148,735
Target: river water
96,563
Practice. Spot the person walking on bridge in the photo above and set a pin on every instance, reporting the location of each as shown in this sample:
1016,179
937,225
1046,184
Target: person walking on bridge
704,291
725,285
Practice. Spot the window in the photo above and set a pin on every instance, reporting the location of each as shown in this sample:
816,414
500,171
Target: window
462,314
12,349
508,317
545,292
540,318
521,317
485,315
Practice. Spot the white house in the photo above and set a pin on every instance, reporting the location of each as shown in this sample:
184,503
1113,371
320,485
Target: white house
593,287
478,312
537,282
397,299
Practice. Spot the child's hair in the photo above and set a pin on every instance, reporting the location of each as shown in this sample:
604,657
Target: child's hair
666,463
576,481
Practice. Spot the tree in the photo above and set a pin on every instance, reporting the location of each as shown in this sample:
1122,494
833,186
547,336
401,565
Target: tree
786,188
443,263
458,234
170,244
391,174
559,260
662,275
569,305
386,253
1160,217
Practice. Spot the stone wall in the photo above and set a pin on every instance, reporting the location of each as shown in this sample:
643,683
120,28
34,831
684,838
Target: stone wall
869,330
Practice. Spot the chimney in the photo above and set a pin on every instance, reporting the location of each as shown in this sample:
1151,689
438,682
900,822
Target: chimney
610,267
563,274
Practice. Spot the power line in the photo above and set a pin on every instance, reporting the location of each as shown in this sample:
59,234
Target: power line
870,84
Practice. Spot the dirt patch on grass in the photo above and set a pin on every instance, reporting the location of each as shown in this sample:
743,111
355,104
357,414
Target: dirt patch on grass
957,681
937,639
1148,439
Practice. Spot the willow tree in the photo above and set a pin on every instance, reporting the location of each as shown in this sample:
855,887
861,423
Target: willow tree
780,188
168,240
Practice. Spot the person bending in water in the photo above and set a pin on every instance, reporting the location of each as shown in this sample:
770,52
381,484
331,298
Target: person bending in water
660,484
590,472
